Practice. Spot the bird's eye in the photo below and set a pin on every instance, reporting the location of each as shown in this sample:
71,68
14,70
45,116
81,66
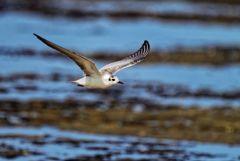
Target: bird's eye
109,79
113,79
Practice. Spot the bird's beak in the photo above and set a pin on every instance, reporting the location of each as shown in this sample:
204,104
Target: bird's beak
119,82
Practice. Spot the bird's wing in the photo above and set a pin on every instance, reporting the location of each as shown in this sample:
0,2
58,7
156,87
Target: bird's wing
131,60
84,63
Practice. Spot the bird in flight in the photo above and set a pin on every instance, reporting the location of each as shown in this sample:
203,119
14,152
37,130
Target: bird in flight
105,77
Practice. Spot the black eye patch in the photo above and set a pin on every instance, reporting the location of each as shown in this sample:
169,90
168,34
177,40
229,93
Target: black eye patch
113,79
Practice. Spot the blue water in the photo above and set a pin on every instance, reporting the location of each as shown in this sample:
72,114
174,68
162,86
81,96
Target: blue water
111,35
225,78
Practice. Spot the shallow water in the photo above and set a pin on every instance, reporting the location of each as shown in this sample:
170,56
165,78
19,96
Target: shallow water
109,35
59,144
222,79
195,77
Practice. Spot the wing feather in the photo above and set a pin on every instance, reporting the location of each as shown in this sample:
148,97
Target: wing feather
131,60
84,63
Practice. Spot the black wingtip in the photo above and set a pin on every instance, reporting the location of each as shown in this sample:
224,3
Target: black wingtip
39,37
146,43
35,34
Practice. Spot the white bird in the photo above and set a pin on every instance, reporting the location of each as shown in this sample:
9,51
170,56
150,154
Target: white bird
105,77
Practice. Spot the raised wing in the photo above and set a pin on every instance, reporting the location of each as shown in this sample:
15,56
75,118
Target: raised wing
84,63
131,60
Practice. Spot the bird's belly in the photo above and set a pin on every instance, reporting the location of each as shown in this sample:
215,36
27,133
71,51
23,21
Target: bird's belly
95,83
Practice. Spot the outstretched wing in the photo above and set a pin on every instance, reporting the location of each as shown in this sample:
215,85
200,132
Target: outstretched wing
84,63
131,60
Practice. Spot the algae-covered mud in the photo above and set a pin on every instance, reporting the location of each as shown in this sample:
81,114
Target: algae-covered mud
182,103
208,125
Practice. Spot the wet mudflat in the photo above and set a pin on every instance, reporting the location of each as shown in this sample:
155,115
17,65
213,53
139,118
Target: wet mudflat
210,125
46,143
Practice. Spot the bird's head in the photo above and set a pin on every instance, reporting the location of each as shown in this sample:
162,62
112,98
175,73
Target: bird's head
113,80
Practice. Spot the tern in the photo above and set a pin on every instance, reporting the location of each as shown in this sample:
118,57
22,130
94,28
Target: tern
105,77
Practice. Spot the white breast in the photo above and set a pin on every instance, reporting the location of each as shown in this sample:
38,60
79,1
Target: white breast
95,82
